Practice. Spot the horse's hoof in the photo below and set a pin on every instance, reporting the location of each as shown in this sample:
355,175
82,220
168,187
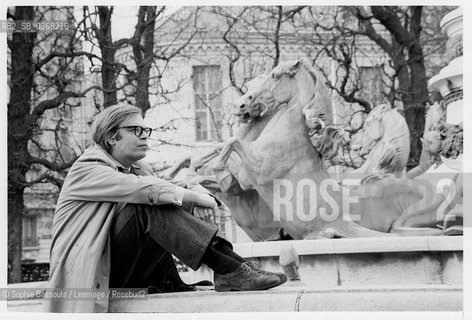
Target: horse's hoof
454,231
224,180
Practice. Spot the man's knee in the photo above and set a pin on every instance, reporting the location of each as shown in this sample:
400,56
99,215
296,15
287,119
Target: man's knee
125,216
129,210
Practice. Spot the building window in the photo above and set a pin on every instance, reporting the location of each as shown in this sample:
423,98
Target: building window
30,238
207,87
371,84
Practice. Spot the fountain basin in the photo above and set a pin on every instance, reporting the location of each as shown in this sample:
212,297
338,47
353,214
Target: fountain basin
327,263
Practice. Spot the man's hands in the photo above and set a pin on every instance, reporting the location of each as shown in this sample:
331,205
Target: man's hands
204,204
203,213
205,207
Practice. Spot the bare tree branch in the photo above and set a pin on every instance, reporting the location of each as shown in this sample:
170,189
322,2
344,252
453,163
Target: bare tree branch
51,165
57,101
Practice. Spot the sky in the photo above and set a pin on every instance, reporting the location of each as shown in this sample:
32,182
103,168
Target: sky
124,20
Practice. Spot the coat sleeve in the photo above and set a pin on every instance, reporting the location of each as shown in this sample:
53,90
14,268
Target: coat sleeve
94,180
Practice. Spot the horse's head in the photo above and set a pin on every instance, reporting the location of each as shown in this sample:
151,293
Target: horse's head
371,134
386,125
373,130
255,102
284,84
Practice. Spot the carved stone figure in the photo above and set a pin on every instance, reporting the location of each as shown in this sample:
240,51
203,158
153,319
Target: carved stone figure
250,212
273,148
290,262
431,141
443,142
385,141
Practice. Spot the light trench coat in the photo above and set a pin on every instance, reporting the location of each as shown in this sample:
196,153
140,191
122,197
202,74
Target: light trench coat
93,191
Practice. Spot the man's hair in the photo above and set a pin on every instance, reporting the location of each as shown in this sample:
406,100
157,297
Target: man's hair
106,125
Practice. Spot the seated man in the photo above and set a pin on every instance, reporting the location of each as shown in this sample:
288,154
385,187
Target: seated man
116,225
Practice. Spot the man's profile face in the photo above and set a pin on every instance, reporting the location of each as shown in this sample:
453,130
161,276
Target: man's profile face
130,148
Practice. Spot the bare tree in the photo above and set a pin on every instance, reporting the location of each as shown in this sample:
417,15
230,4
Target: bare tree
397,37
248,30
49,80
41,79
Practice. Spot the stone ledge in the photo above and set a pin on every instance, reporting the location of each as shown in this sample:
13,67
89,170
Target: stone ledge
303,298
359,245
28,285
289,298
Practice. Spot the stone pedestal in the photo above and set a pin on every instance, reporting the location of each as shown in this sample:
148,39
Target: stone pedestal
327,263
449,81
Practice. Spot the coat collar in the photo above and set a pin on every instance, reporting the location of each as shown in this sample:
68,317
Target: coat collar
97,150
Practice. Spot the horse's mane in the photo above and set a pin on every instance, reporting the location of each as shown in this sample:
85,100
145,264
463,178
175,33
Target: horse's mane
322,96
329,142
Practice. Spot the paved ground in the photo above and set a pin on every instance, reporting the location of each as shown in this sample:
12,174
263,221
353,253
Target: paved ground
289,297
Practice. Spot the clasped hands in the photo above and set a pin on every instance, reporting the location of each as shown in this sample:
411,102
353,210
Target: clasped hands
205,207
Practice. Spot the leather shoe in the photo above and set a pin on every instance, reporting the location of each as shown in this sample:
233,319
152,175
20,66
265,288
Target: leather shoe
244,278
257,267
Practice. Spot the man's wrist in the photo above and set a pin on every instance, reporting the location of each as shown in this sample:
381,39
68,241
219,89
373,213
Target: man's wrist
179,195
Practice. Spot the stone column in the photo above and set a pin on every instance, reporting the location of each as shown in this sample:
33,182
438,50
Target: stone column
449,80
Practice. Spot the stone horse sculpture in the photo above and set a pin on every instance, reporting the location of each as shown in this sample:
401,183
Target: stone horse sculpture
273,155
385,141
249,211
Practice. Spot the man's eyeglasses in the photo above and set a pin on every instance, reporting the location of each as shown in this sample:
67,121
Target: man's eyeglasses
138,131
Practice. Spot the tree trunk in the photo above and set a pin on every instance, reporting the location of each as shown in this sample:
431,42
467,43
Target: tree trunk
411,72
20,131
414,93
143,53
419,87
108,51
415,116
415,109
15,229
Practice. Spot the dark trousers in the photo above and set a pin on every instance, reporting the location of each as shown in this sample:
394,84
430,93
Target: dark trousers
143,237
